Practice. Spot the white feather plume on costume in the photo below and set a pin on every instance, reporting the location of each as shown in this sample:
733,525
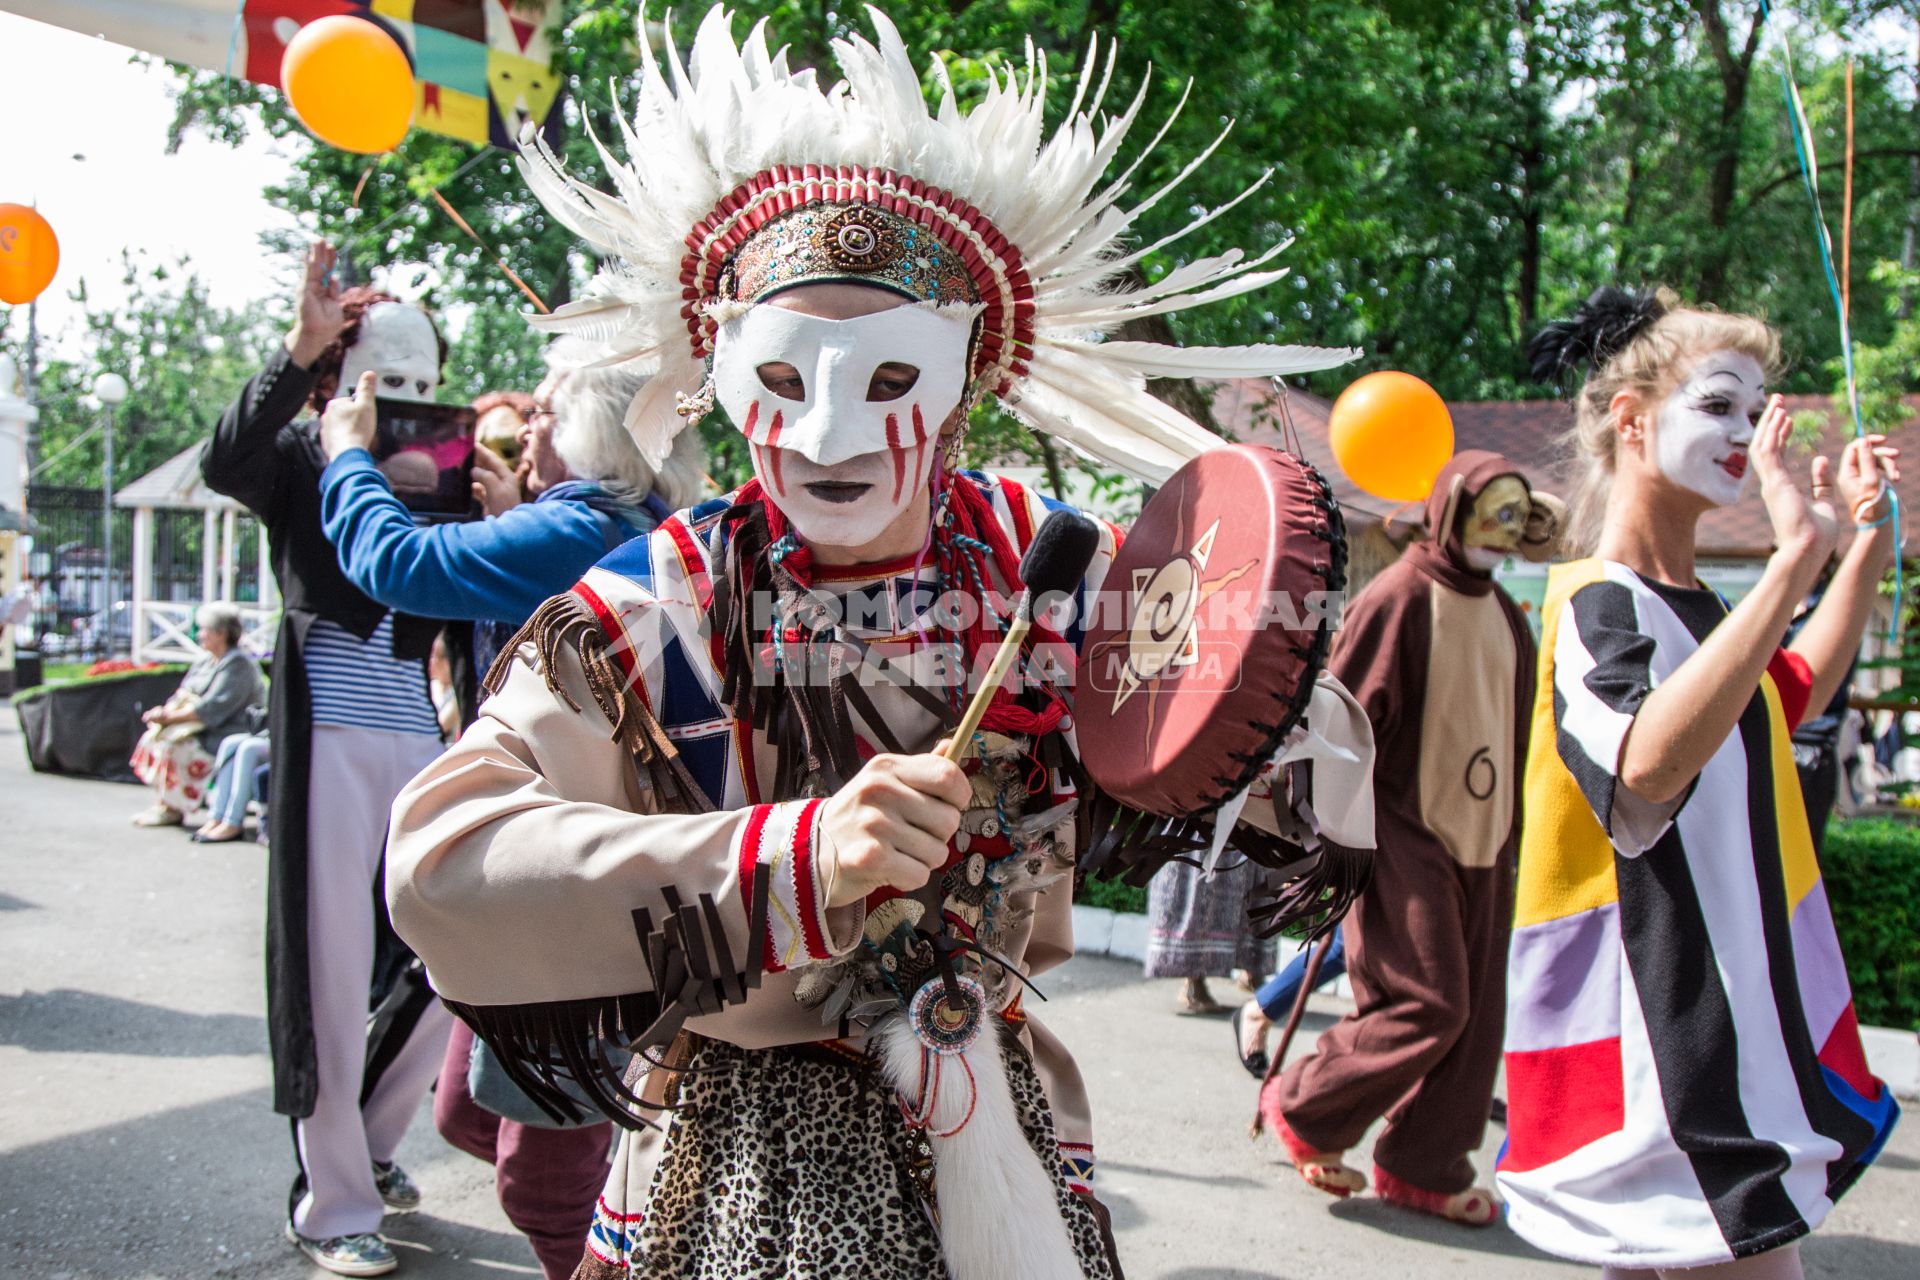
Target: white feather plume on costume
710,122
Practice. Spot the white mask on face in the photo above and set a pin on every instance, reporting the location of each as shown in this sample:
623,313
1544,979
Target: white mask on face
832,420
398,343
1706,426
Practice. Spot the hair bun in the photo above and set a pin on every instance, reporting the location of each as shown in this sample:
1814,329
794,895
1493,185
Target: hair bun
1606,322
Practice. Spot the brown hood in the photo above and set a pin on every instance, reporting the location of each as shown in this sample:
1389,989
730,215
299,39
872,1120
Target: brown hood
1458,484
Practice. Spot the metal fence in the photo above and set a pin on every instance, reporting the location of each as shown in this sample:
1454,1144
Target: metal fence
84,607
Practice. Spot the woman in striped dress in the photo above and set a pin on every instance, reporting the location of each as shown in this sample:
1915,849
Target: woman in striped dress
1686,1082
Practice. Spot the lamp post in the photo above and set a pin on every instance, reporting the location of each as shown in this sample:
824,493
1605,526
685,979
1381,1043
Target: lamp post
110,389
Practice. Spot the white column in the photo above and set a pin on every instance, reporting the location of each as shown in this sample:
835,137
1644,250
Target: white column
229,533
209,553
142,577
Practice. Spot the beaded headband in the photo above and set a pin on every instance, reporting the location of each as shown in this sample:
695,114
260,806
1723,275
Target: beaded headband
809,224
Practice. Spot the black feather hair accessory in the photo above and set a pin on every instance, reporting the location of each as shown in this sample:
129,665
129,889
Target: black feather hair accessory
1606,322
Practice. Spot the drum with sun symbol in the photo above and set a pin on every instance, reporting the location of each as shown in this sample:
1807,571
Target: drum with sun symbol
1214,623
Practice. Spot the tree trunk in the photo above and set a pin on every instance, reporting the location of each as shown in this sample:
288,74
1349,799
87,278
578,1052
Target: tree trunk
1533,160
1736,73
1913,207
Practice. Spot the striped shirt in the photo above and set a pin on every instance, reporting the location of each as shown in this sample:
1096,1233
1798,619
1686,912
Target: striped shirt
359,684
1685,1076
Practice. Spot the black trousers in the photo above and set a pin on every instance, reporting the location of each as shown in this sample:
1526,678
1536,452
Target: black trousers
1819,769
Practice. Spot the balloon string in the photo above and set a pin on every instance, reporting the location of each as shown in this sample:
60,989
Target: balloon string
498,261
360,186
1846,211
1804,152
233,47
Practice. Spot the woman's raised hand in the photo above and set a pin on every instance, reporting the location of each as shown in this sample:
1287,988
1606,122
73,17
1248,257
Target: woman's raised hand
1868,467
1802,528
496,486
318,316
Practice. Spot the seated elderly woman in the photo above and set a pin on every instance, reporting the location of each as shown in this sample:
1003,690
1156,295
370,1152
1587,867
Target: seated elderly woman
219,697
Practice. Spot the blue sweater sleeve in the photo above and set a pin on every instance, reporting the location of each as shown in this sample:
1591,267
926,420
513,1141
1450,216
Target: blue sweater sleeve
498,569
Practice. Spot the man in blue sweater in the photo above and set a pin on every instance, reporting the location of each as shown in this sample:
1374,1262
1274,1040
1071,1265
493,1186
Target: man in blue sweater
592,491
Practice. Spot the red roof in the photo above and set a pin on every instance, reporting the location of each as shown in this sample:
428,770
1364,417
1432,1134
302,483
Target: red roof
1529,432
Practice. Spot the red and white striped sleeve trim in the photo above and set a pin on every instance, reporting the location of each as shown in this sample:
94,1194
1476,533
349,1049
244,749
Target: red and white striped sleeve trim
785,837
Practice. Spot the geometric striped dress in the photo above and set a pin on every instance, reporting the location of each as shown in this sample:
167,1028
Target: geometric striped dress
1685,1077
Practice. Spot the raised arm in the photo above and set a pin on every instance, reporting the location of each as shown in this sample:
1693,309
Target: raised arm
1831,637
1685,718
241,460
502,568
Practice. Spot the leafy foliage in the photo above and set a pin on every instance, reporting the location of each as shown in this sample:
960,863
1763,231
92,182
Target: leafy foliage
1455,173
1871,870
184,357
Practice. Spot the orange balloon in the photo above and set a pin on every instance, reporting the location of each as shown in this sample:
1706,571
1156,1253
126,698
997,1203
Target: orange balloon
1391,434
29,254
349,83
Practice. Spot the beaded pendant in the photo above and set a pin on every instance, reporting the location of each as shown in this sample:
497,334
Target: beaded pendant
948,1021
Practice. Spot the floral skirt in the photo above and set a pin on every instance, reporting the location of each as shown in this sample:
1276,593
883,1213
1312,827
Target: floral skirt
796,1164
175,765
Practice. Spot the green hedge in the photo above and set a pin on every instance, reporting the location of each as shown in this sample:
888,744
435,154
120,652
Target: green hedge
1110,894
1872,872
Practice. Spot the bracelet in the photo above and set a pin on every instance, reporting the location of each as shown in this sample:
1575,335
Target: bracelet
1874,524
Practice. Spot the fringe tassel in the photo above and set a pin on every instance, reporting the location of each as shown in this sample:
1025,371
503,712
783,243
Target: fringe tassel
1318,898
1311,888
556,1051
565,623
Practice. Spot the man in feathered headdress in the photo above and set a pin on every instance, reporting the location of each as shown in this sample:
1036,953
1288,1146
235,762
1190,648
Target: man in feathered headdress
700,815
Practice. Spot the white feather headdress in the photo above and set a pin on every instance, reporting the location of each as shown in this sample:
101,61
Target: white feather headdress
732,138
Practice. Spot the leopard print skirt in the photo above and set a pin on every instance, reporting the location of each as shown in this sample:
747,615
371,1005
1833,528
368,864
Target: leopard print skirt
795,1164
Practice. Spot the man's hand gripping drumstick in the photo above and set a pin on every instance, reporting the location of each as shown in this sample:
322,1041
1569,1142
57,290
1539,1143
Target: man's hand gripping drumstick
890,825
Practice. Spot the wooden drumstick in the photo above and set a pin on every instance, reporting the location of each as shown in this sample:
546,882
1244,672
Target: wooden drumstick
1056,561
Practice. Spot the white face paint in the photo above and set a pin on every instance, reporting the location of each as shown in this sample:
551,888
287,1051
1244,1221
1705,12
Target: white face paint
849,504
398,343
843,416
1702,435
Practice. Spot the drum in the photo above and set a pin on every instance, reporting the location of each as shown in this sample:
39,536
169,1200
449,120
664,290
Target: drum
1201,655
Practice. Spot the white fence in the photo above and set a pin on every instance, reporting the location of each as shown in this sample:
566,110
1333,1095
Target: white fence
163,630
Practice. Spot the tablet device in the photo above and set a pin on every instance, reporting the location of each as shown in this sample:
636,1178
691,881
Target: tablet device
426,453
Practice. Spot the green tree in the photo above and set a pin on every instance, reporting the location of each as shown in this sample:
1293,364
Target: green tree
183,356
1454,173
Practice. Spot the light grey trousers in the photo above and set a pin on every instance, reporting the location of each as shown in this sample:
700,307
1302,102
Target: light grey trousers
356,774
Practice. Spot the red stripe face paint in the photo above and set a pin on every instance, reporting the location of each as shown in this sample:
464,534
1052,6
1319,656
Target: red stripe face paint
899,454
919,446
766,457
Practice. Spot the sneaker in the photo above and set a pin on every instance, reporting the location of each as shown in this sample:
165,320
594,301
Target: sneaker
362,1255
395,1188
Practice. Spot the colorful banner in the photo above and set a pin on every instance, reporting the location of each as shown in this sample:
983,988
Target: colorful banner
482,68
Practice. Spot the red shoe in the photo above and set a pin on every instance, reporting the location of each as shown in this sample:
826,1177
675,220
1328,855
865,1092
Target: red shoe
1474,1207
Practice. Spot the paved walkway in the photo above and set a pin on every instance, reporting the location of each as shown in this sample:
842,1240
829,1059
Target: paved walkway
137,1140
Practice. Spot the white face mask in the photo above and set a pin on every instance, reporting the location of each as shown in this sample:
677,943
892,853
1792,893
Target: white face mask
828,417
849,504
398,343
1706,426
842,466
